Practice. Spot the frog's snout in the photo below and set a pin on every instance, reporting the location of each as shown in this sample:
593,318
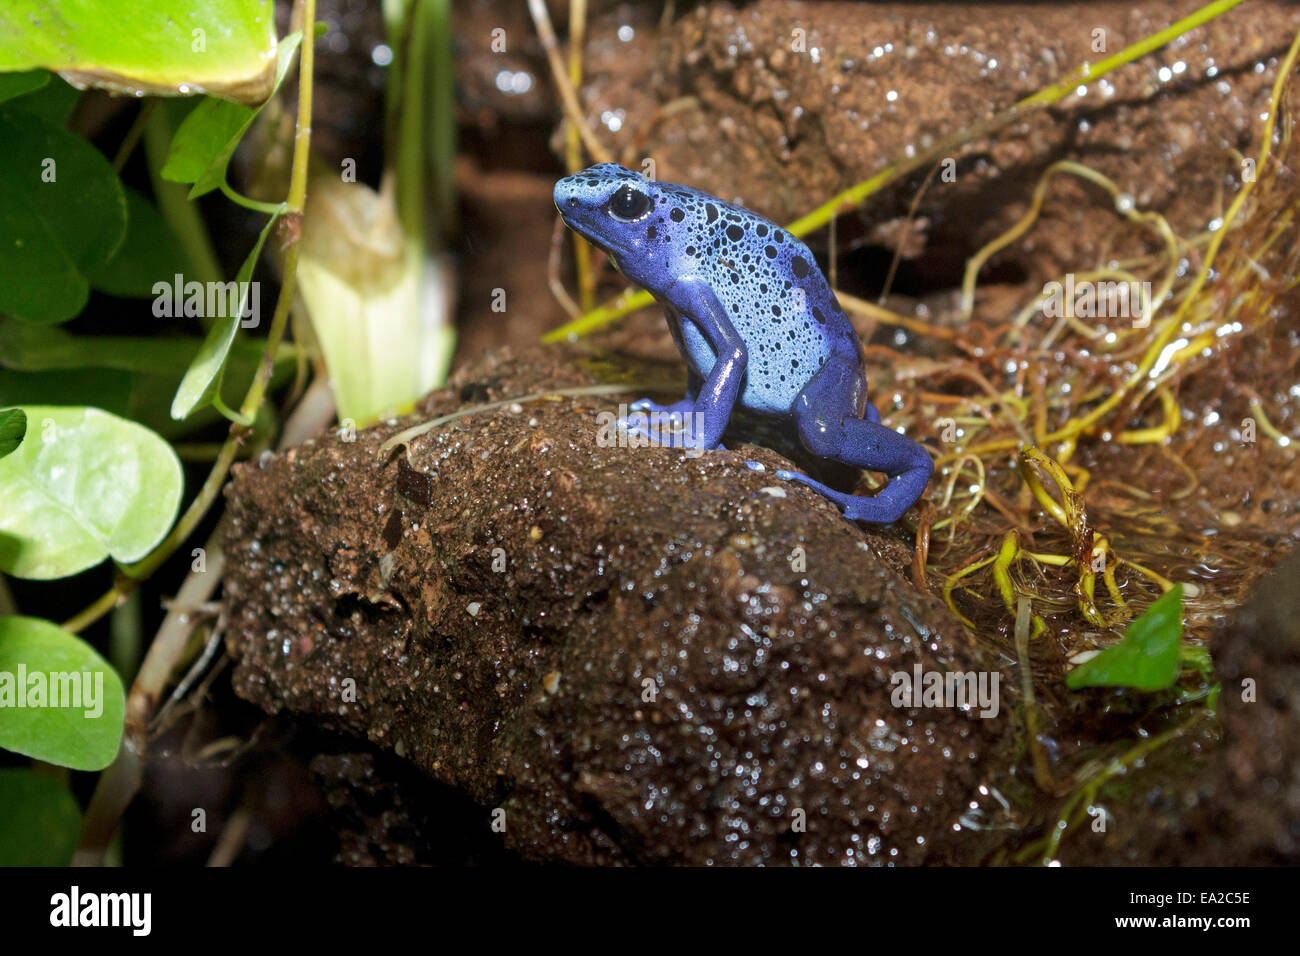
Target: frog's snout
565,195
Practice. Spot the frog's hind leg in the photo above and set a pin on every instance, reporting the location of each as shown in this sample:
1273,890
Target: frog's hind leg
826,415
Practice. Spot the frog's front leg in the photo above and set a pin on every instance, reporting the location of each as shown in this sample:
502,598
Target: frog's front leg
706,413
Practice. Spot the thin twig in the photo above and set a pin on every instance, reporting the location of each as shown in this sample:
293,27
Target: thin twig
568,96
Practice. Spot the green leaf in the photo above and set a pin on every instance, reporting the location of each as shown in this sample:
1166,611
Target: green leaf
13,425
35,348
1147,658
143,398
104,388
53,102
19,84
149,254
62,214
39,820
84,485
223,47
38,662
204,374
205,141
129,376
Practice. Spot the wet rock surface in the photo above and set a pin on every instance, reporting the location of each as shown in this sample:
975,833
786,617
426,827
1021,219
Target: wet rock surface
620,649
810,98
1252,815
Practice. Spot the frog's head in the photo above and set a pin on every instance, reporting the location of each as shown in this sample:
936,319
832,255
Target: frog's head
613,208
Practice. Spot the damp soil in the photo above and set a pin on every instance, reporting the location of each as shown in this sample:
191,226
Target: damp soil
595,654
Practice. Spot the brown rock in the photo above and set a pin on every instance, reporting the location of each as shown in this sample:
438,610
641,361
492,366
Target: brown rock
611,645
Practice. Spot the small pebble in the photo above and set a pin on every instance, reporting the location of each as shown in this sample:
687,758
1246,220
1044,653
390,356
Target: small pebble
773,491
473,607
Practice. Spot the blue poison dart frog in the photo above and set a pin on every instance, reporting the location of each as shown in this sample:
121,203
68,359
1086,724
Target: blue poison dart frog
755,321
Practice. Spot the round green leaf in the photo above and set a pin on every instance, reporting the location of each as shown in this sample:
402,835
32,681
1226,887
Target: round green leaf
13,425
62,214
223,47
84,485
53,102
39,820
59,700
19,84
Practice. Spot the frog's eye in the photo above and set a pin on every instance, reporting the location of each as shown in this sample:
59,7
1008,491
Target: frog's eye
629,205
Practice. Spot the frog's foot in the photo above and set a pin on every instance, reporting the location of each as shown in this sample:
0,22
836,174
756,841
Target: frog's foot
846,502
885,508
671,426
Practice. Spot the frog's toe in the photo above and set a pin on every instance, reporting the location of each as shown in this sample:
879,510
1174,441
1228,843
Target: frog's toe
844,501
637,424
686,438
676,409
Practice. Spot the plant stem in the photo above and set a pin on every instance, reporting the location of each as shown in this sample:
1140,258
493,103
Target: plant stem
105,603
173,202
568,97
256,205
135,574
132,137
118,784
573,151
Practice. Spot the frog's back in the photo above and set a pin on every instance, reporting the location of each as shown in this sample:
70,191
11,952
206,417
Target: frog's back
771,287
